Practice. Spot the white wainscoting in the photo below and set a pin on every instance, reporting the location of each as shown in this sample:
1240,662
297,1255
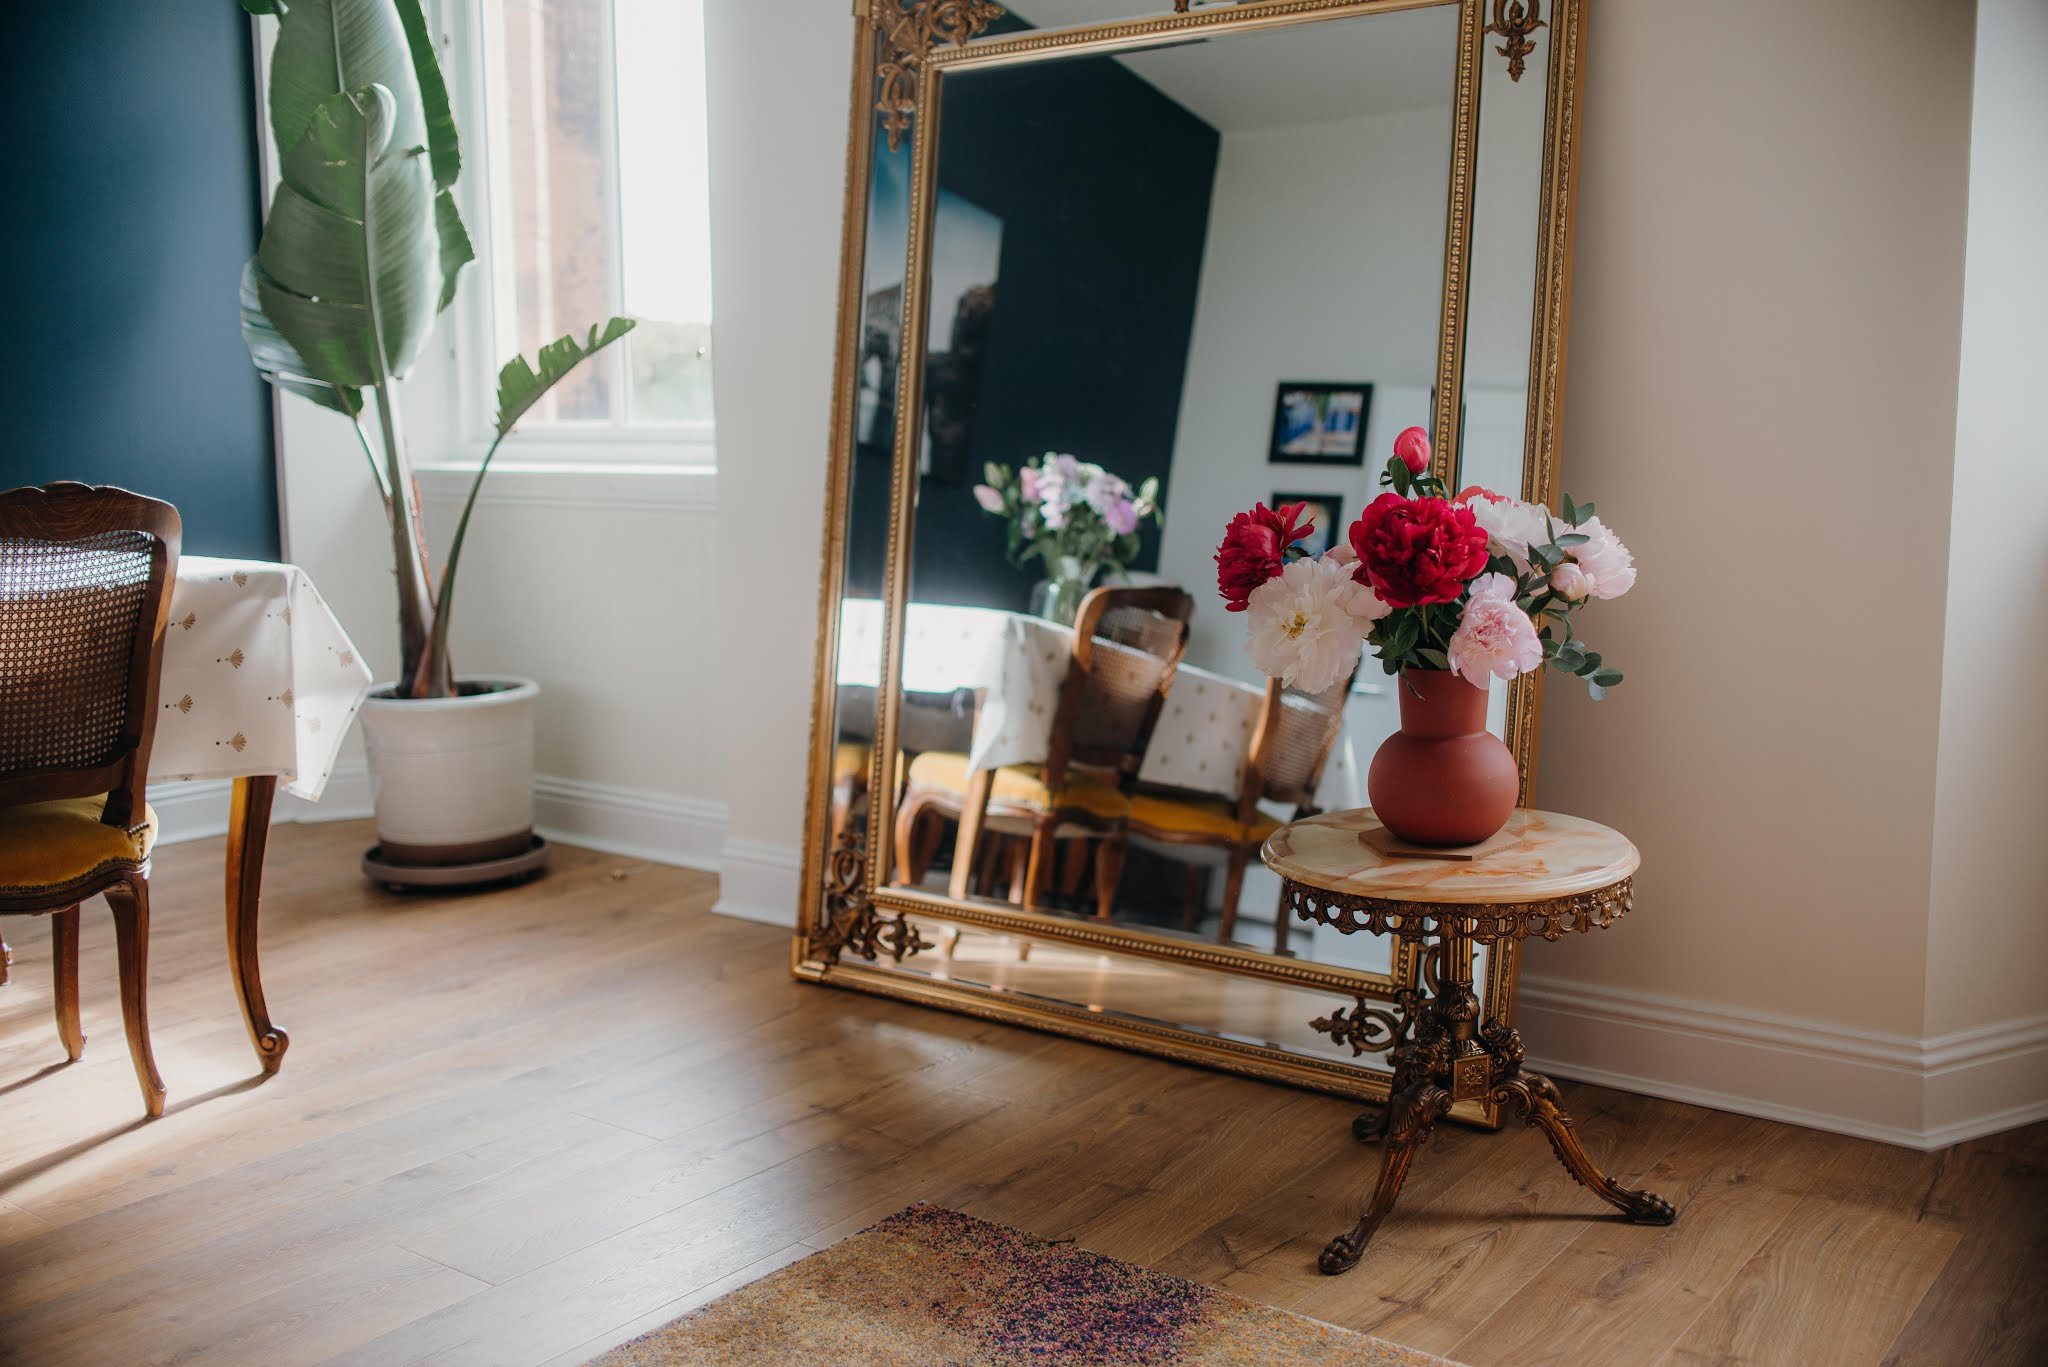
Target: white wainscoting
759,881
1922,1093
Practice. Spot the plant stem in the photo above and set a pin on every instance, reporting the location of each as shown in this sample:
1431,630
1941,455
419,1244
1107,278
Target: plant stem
415,604
437,646
370,454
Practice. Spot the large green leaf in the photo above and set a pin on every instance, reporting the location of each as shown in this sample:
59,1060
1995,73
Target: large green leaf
326,47
347,268
444,147
280,363
520,386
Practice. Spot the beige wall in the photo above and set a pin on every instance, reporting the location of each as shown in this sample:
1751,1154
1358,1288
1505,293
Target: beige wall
1988,915
778,94
1765,330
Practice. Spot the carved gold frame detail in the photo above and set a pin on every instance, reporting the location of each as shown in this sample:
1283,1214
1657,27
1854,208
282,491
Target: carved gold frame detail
852,927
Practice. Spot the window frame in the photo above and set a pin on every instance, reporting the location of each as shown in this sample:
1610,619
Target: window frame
472,336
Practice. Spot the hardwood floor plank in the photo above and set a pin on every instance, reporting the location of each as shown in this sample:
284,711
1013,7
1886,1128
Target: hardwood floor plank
519,1127
1834,1284
1653,1283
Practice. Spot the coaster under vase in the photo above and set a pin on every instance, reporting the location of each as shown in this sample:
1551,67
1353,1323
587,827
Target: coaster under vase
1394,847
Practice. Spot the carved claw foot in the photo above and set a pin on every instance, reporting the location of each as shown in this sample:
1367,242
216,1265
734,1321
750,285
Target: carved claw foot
1339,1255
1646,1208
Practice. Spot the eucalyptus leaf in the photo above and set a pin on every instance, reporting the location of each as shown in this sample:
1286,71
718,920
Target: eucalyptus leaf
1606,678
1573,539
1596,691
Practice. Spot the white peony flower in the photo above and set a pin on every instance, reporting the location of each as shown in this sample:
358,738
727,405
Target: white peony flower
1304,626
1570,583
1512,525
1495,639
1609,569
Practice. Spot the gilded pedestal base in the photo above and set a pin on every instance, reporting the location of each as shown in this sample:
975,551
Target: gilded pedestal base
1451,1058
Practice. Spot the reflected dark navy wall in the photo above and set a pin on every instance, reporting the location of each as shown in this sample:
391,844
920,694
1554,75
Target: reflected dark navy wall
1103,186
133,201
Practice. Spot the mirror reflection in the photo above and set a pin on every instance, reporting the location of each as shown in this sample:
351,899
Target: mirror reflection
1164,285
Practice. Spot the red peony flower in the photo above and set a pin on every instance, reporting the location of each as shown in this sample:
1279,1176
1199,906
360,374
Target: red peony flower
1412,446
1254,549
1417,550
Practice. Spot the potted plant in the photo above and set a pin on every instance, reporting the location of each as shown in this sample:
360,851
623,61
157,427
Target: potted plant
1075,517
361,252
1452,592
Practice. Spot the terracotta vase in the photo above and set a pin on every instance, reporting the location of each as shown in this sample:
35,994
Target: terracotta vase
1443,778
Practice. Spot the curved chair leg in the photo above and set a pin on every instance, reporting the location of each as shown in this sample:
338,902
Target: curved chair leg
1412,1115
64,979
1109,867
130,902
1233,888
1538,1098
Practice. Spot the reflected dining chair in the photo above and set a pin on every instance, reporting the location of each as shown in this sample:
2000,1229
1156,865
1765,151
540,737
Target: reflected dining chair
1127,644
1291,744
85,592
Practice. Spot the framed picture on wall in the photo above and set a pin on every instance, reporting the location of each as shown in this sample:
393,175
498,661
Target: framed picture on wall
1327,510
1320,422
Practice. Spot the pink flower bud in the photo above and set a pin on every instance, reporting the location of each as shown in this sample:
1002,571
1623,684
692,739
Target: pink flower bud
1570,583
988,498
1412,446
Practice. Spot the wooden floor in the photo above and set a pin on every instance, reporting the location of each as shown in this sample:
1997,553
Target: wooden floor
520,1127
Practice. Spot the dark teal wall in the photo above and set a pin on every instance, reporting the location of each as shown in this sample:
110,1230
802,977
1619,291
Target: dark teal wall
129,161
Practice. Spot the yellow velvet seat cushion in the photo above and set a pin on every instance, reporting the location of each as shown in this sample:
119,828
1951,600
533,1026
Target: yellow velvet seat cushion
1020,785
47,844
850,760
1196,816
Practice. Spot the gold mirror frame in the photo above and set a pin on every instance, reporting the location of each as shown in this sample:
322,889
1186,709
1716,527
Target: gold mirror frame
848,918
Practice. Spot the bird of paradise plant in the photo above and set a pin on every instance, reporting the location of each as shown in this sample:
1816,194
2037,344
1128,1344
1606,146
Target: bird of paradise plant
361,252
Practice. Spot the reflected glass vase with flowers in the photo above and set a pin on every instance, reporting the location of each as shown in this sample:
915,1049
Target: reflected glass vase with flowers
1451,591
1074,517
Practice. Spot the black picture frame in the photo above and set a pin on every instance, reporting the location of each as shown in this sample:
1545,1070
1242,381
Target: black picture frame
1320,422
1328,512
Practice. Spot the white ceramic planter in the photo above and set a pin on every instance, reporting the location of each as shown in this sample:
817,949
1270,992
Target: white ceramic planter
453,777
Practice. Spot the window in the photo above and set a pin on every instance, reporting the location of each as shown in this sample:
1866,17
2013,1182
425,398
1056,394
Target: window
594,156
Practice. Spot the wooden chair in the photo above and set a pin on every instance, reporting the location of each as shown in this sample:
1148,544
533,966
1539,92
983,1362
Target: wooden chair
1127,644
85,595
1290,747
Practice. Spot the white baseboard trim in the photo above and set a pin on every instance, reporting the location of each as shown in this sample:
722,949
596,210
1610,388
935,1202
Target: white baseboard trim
1898,1089
198,809
666,827
758,881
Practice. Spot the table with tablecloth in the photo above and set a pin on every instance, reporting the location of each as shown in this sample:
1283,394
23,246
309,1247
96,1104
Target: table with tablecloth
1014,664
260,683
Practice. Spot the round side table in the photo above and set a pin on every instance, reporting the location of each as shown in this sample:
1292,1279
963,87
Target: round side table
1545,875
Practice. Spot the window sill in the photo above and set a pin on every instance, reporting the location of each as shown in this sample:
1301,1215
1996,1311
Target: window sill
574,484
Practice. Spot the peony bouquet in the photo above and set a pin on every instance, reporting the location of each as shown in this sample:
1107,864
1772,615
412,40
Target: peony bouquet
1479,584
1076,517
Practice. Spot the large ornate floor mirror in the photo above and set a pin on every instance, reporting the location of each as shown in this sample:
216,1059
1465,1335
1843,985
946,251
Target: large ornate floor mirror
1216,254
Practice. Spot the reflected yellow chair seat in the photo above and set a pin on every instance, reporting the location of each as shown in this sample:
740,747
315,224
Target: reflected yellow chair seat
1021,785
49,844
1199,818
850,760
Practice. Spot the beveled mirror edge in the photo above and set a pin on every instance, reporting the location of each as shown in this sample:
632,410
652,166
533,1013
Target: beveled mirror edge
834,906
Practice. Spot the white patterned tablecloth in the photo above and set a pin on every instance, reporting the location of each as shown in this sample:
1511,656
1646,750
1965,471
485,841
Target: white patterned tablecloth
259,678
1017,663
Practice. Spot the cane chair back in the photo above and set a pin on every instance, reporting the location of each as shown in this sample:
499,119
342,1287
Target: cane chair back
1292,743
1128,643
85,591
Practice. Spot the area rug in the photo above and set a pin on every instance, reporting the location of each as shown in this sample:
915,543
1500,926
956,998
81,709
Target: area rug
930,1286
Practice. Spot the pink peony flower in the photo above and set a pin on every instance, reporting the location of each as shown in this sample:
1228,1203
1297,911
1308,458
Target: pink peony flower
1609,569
1302,626
1495,639
1027,480
1122,517
1412,446
988,497
1570,583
